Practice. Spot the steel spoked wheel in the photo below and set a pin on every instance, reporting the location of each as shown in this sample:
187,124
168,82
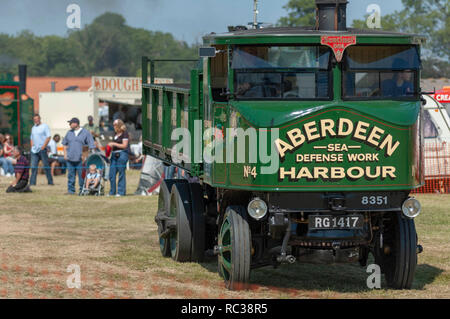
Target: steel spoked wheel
397,256
234,241
161,219
181,235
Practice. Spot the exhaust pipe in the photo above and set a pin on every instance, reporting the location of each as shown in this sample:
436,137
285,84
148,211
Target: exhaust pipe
22,79
331,15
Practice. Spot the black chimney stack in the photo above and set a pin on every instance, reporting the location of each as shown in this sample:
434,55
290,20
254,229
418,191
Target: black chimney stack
331,15
22,79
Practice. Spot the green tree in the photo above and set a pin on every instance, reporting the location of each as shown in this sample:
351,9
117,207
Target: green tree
103,45
107,46
300,13
26,48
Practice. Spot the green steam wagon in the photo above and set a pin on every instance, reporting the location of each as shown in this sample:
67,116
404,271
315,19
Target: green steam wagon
300,144
16,108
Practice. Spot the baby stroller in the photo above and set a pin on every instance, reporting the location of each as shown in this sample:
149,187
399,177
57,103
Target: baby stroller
102,164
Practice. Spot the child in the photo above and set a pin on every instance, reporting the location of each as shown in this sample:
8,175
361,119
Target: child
92,178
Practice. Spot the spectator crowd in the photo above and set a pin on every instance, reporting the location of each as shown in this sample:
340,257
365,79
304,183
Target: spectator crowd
22,168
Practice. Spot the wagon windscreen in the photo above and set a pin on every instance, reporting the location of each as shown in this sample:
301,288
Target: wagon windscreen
282,72
381,72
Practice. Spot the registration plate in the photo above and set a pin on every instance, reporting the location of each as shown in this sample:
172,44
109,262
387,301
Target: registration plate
336,222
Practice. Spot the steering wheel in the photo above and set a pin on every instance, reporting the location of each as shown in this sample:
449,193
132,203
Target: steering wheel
291,94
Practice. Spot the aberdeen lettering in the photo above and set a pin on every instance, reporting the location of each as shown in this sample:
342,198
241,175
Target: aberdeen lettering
359,131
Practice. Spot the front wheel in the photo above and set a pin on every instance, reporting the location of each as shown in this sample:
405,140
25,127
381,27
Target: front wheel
396,251
235,249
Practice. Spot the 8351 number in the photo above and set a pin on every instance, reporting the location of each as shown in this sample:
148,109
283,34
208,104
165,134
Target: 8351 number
374,200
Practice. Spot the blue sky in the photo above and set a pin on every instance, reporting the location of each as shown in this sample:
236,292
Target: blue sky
188,20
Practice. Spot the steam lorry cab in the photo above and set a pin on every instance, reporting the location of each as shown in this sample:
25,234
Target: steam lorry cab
300,144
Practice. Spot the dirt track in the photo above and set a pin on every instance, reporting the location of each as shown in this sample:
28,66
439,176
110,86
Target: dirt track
114,242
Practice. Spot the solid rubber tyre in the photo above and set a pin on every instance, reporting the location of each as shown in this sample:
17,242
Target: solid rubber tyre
399,264
234,257
180,209
198,222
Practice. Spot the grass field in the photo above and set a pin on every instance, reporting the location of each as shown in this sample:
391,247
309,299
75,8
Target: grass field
114,241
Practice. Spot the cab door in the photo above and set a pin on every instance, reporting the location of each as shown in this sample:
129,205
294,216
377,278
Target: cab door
216,115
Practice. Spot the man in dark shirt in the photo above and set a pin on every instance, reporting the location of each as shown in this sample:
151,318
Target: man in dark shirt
73,143
22,172
399,86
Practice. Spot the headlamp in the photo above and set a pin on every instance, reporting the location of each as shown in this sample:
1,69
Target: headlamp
411,208
257,208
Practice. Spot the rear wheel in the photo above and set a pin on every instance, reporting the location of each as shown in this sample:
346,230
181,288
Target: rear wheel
396,252
235,249
162,215
181,236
